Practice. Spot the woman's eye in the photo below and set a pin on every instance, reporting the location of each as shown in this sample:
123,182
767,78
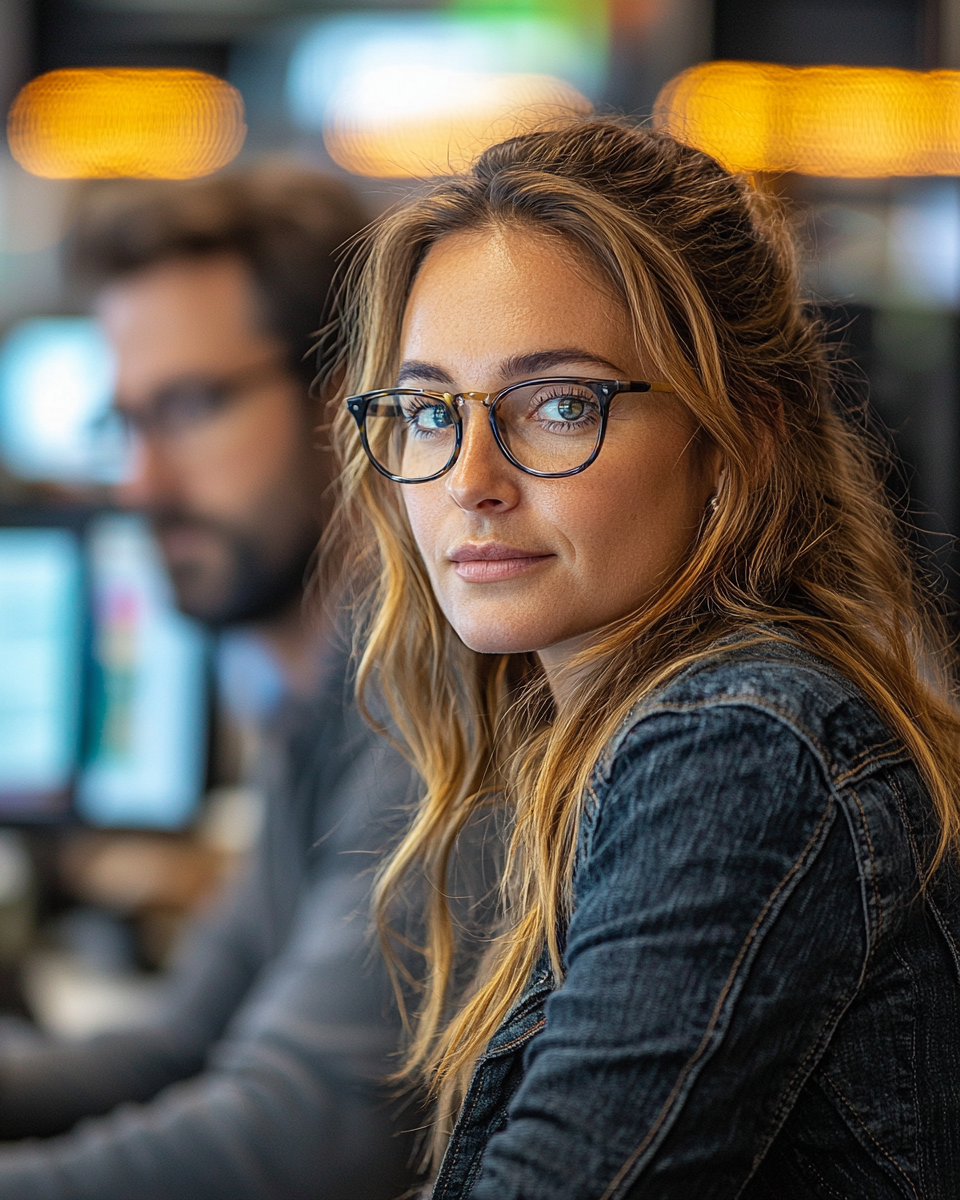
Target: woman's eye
430,418
566,409
569,408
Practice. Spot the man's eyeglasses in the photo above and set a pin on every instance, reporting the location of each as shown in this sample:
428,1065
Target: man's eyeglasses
187,403
544,427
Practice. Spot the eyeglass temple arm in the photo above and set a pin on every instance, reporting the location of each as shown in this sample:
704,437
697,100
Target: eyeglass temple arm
642,385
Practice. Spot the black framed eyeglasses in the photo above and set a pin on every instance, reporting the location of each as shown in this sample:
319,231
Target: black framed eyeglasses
545,427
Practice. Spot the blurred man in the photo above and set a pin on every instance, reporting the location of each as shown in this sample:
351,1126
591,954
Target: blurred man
260,1077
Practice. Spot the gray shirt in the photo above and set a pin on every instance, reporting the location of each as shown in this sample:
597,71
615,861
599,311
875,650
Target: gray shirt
261,1078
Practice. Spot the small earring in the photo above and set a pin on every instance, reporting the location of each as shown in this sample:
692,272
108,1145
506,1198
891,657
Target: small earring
713,504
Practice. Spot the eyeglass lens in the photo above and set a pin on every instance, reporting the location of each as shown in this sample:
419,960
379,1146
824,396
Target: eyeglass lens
548,427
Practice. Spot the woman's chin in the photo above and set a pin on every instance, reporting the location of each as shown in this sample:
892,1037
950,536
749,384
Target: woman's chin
497,640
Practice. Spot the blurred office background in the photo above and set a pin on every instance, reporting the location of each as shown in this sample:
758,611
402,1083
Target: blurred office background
122,803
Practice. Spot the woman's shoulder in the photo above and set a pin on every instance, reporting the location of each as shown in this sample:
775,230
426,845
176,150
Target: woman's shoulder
758,743
763,680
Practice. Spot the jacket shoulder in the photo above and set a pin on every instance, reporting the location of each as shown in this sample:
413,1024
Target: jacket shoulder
782,682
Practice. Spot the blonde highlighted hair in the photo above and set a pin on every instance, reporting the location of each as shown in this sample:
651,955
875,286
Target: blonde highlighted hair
803,537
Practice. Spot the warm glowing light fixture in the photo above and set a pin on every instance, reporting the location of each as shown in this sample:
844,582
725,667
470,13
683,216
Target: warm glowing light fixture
147,123
843,121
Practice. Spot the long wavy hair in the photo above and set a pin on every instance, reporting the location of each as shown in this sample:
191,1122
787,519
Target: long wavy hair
802,540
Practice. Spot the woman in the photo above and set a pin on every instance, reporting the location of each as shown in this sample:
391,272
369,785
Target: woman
634,577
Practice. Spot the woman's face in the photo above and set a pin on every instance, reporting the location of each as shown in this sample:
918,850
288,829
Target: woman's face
520,563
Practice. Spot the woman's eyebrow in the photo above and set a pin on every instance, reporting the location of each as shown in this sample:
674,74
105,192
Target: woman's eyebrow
544,360
517,366
424,371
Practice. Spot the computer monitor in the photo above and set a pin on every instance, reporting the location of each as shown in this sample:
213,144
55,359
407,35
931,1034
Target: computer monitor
103,683
42,620
146,758
56,383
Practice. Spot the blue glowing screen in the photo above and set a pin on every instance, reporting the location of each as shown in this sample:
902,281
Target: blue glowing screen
149,734
41,635
360,50
56,381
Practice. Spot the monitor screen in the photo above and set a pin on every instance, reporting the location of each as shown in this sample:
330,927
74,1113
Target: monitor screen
56,382
41,652
148,729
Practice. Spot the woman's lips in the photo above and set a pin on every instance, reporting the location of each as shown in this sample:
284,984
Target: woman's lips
490,563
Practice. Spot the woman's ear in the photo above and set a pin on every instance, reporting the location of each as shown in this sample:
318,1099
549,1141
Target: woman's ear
720,479
714,470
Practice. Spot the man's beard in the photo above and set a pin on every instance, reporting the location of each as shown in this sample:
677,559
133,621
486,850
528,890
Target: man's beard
242,583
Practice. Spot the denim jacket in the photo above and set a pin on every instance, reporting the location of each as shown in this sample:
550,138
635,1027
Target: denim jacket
759,1000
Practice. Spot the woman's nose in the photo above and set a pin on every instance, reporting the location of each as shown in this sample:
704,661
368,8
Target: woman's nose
482,479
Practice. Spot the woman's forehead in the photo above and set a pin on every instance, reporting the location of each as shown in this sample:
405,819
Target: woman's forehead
485,297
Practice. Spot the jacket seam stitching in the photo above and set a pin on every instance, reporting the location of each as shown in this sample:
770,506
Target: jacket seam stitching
468,1114
815,1049
742,700
474,1170
519,1040
874,756
873,873
721,1000
913,1070
761,704
823,1183
918,862
892,1161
